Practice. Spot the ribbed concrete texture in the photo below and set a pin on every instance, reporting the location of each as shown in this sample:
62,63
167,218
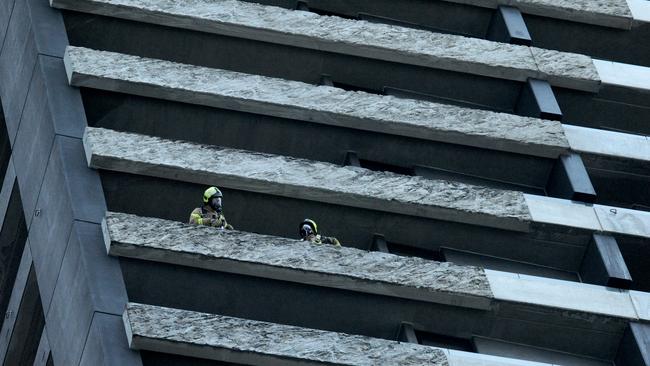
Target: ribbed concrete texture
354,37
305,179
296,261
290,260
609,13
252,342
320,104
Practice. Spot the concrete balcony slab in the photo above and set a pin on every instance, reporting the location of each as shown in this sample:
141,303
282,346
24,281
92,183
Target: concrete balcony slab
353,37
610,219
624,75
463,287
617,145
562,212
316,104
295,261
546,292
623,221
304,179
459,358
245,341
640,10
611,13
641,302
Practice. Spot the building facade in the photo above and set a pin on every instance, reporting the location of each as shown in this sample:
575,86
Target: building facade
483,163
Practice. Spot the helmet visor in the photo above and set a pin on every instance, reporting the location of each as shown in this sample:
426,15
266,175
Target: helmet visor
215,203
305,231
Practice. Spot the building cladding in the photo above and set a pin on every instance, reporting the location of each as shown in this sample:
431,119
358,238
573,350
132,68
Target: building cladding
485,165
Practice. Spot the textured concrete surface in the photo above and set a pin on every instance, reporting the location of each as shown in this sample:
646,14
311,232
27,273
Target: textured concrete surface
561,66
334,34
609,13
217,337
305,179
295,261
320,104
615,13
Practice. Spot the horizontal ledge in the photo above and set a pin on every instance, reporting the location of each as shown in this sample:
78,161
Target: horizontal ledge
355,37
623,146
562,295
609,151
357,270
640,11
306,179
624,75
613,14
295,261
225,338
561,212
315,104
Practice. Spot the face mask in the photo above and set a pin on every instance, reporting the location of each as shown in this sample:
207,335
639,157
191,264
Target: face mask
215,203
305,231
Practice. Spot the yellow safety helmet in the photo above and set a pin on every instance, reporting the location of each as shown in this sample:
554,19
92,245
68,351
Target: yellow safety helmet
311,223
210,192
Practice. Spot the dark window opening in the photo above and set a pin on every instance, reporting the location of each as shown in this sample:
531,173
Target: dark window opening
166,359
409,251
350,87
303,5
379,166
13,236
5,146
401,23
444,341
29,325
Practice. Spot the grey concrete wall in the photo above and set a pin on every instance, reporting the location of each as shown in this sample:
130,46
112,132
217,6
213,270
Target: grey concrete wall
62,199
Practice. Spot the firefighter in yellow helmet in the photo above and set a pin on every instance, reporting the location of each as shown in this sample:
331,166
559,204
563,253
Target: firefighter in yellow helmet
308,231
211,212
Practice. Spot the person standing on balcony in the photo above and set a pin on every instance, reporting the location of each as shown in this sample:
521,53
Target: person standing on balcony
211,212
308,231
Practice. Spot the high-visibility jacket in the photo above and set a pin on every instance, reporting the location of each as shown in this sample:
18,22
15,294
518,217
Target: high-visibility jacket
207,216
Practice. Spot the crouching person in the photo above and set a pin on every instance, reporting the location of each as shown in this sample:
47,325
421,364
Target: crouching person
308,231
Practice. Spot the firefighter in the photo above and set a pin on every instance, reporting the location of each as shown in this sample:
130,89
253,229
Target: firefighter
211,212
308,231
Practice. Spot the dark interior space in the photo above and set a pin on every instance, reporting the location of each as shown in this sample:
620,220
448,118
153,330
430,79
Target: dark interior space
274,215
12,243
292,63
165,359
314,141
5,145
30,322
